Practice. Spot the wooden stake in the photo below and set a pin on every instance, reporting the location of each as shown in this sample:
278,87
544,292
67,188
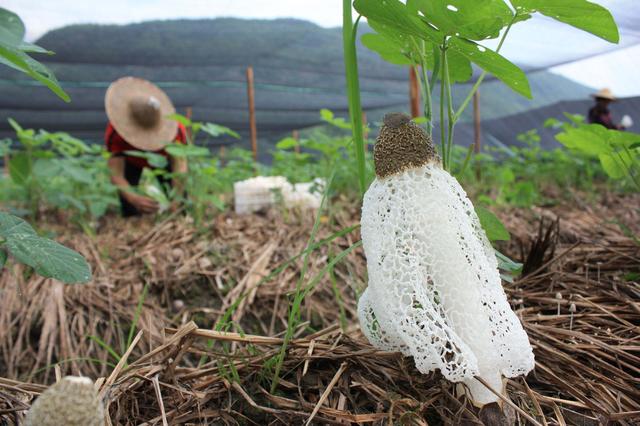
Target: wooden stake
414,92
221,155
252,113
296,135
189,113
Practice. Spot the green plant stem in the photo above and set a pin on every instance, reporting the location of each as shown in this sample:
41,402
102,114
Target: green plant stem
628,169
476,86
136,316
467,158
349,32
294,308
423,82
450,120
443,136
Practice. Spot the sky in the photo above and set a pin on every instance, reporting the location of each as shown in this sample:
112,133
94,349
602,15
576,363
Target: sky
614,70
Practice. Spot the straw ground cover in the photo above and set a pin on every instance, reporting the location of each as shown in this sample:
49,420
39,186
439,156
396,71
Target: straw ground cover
203,341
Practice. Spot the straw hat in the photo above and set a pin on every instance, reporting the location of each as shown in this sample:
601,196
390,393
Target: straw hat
604,94
138,109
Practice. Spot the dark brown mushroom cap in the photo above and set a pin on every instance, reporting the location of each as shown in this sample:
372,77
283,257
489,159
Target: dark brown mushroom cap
401,145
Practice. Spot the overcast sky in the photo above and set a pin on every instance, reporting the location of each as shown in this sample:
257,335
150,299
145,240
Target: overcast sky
616,70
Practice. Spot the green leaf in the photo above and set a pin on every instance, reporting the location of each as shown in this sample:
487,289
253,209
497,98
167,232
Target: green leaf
460,69
216,130
45,168
11,28
180,119
581,14
472,19
182,150
79,174
624,139
616,164
33,48
398,18
585,140
20,168
48,258
10,224
493,63
510,267
155,160
492,226
287,143
386,48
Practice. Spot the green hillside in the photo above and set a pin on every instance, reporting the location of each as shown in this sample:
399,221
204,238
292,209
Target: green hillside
201,64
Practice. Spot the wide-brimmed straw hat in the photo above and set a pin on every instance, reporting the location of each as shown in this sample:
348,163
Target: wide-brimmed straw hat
604,94
138,110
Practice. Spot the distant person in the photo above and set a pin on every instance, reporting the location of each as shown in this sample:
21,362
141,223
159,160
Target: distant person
600,114
137,111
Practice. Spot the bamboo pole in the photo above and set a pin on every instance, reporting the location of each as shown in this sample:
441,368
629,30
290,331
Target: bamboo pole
189,113
296,135
221,155
252,113
414,92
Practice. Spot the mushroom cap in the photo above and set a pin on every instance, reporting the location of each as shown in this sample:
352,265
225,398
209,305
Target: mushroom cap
402,145
73,401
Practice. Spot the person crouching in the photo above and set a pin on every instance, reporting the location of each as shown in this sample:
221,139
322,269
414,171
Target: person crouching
137,111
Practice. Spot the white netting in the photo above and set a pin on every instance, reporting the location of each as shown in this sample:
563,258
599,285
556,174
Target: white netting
434,287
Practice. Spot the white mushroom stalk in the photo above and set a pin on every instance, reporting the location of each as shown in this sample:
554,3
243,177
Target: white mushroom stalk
73,401
434,288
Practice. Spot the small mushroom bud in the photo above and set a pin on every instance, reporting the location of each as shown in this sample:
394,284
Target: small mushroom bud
73,401
434,288
572,310
559,299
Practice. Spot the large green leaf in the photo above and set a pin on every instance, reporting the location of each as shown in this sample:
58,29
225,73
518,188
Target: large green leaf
48,258
11,28
460,69
13,52
584,140
398,17
216,130
612,166
473,19
623,139
20,168
15,58
182,150
398,48
581,14
386,48
10,225
158,161
492,226
493,63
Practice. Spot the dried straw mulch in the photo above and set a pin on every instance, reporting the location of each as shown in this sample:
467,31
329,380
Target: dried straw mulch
179,370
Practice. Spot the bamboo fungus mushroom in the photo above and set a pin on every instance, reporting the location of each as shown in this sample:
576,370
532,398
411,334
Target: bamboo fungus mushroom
434,288
73,401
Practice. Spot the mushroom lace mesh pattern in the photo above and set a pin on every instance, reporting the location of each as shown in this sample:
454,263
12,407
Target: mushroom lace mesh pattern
434,289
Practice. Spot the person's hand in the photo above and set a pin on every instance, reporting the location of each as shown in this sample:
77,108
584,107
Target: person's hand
141,203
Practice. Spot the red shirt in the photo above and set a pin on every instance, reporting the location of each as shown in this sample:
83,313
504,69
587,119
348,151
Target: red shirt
117,146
